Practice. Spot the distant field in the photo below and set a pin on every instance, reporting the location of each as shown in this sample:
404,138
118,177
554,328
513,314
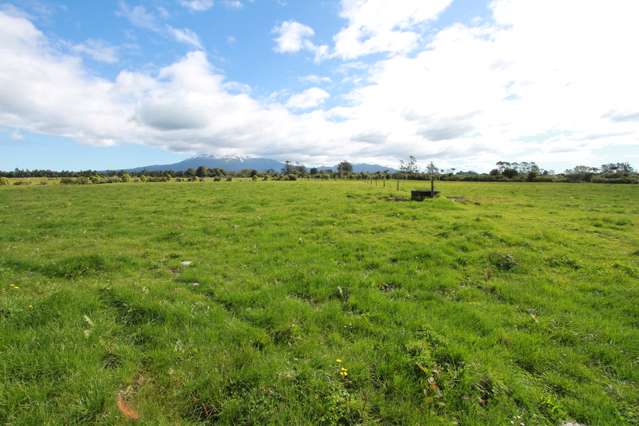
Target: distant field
319,302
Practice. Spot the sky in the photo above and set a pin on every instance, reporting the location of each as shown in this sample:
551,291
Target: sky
463,83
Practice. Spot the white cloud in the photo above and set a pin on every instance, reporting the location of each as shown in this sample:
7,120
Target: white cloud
473,95
138,16
185,36
197,5
315,79
142,18
383,26
309,98
292,37
477,94
233,4
97,50
16,135
184,106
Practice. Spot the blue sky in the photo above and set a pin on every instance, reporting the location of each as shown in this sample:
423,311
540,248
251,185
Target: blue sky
115,84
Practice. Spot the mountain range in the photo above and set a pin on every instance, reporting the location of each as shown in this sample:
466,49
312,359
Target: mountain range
235,164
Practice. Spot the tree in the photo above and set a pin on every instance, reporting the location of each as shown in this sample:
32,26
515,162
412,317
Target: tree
581,173
409,166
288,167
510,173
202,171
432,171
622,168
344,168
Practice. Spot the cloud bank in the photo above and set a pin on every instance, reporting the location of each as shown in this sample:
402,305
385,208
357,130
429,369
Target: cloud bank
472,95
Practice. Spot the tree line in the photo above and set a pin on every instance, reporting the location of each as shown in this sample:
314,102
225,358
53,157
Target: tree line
503,171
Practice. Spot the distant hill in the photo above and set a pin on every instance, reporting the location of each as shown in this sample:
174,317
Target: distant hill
235,164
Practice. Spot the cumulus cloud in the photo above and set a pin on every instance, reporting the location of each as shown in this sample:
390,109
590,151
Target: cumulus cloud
185,36
309,98
509,90
293,37
315,79
16,135
97,50
383,26
197,5
474,94
138,16
184,106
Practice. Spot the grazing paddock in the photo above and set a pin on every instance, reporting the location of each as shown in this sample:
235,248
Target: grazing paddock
319,302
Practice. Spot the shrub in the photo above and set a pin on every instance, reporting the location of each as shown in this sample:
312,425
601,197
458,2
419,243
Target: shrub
217,179
4,181
22,182
229,179
503,262
158,179
125,177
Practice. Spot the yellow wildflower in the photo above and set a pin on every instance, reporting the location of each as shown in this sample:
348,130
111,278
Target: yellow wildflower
343,372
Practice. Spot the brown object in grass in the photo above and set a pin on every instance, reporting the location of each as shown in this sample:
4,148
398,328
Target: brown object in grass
127,411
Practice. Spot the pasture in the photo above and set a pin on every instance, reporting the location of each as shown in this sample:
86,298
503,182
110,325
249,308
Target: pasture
331,302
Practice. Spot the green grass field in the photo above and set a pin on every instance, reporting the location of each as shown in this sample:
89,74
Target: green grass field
319,303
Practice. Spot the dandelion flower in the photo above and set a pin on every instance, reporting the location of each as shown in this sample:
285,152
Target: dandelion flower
343,372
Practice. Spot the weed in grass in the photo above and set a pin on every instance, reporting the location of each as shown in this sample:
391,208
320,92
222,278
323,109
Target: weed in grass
503,262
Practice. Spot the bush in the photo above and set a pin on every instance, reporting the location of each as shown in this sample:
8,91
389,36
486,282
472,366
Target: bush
217,179
624,179
125,177
4,181
503,262
157,179
22,182
229,179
